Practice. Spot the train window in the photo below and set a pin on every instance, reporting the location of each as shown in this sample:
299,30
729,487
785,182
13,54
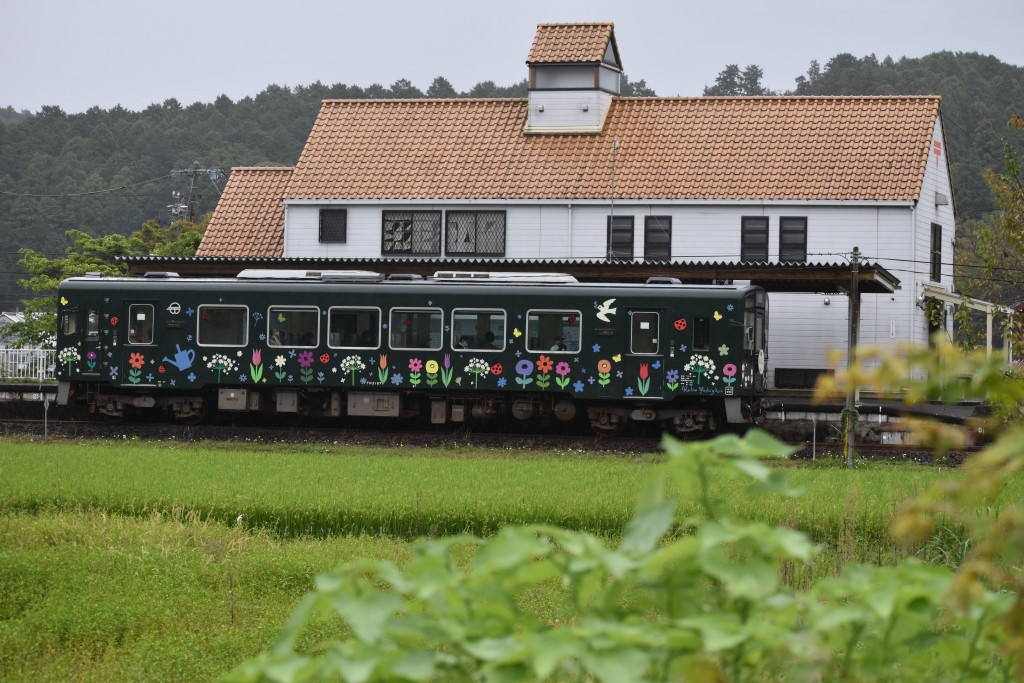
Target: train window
223,326
557,331
644,337
293,326
415,328
701,337
478,330
140,324
69,322
749,325
92,325
354,328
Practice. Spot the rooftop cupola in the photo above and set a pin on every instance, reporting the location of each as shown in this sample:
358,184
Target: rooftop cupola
574,73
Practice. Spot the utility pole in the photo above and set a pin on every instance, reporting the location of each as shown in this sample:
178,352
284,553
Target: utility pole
190,208
611,217
850,412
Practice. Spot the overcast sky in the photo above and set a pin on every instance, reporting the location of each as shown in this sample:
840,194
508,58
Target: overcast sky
78,54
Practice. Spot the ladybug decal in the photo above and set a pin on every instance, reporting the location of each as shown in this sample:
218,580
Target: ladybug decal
680,324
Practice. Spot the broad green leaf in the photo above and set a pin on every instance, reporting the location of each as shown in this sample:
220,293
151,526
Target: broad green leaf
643,532
720,631
510,548
754,579
367,615
351,670
300,617
494,649
552,648
415,666
624,665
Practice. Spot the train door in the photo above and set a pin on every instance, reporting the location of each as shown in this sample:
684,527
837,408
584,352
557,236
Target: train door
645,348
79,331
755,339
139,346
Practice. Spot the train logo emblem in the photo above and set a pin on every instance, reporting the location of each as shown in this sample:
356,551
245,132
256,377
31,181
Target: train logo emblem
174,308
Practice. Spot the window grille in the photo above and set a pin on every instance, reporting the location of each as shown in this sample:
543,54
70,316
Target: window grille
412,232
620,237
333,225
658,238
793,239
754,238
475,233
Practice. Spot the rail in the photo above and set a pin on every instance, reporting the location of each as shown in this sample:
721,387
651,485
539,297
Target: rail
27,364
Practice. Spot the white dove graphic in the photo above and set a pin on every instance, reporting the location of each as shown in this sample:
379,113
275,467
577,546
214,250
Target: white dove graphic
605,310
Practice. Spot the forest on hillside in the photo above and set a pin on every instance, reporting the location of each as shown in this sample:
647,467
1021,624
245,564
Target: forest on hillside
110,171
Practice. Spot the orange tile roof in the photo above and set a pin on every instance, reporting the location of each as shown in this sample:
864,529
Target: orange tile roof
572,43
705,148
249,218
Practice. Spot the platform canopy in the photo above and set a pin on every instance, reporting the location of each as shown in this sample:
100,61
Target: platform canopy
825,278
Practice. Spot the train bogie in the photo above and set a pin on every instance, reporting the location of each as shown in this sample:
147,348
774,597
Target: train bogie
458,347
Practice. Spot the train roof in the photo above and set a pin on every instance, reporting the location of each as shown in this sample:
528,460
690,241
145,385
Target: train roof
444,278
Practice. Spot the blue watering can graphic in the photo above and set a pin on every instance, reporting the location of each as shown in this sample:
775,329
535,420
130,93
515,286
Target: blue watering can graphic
182,359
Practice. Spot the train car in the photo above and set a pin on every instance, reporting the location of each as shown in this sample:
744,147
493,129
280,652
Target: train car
455,347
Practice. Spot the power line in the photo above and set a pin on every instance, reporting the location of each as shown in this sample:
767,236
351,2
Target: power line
82,194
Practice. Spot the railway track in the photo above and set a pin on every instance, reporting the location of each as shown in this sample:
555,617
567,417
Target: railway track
388,436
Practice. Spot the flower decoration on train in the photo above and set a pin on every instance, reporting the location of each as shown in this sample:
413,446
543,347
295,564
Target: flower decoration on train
672,379
382,368
700,365
256,366
604,372
562,371
431,368
729,370
351,365
544,366
415,365
220,363
723,350
69,355
524,369
477,367
643,382
280,373
90,360
446,372
305,369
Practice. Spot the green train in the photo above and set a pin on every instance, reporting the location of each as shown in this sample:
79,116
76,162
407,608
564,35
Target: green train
452,348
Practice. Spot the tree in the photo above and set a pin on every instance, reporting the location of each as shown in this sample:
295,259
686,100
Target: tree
93,254
731,82
635,88
441,88
993,247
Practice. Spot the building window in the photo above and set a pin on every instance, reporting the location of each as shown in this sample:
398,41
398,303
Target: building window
936,253
620,237
658,238
475,233
412,232
754,238
333,225
793,239
222,325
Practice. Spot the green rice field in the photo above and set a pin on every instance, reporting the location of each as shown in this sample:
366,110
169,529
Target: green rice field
125,560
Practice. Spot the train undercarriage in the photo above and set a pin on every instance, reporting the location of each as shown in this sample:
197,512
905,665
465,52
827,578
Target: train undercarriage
694,419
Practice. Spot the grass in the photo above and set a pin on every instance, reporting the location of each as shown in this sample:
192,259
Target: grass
124,561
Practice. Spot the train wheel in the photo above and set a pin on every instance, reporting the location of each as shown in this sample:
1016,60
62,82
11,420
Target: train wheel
190,413
606,422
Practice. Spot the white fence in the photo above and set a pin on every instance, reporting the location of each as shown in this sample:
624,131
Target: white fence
27,364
